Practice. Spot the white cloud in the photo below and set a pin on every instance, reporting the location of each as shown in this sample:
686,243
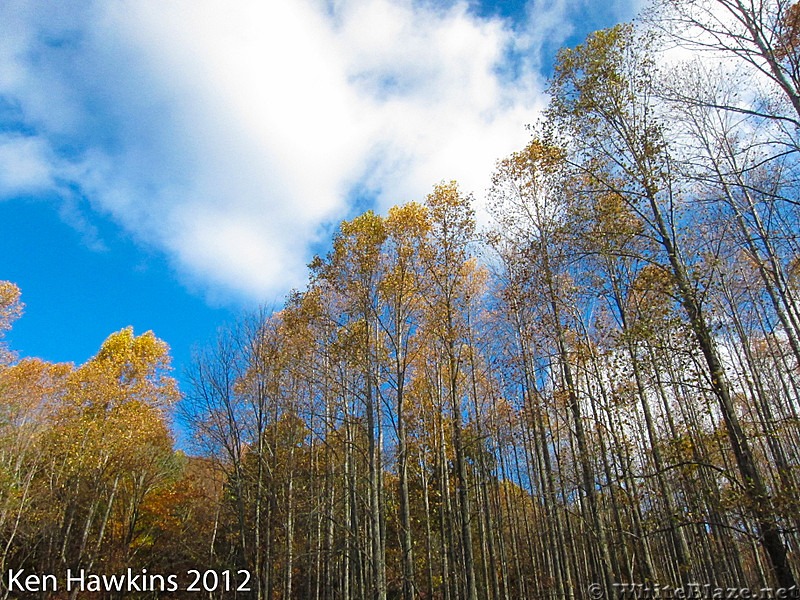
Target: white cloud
24,164
230,133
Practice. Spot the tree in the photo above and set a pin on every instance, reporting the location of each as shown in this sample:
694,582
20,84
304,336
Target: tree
110,432
449,270
10,310
762,34
603,94
353,269
401,291
530,189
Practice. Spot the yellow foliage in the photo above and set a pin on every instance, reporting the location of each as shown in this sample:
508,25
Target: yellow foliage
10,310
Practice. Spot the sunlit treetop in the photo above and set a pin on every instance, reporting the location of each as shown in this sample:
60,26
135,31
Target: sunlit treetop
10,311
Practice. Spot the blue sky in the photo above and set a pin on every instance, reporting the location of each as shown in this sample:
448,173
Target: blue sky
170,165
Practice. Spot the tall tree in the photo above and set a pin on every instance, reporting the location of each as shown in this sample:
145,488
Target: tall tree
449,269
603,93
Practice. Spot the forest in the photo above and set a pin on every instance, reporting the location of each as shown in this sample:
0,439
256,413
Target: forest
598,388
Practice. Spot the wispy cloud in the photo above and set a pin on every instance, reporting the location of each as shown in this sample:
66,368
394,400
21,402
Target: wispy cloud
231,135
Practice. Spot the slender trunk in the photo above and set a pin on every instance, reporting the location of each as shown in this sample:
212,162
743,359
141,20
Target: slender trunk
751,478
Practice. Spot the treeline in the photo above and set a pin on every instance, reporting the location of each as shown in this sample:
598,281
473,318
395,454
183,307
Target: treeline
602,387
